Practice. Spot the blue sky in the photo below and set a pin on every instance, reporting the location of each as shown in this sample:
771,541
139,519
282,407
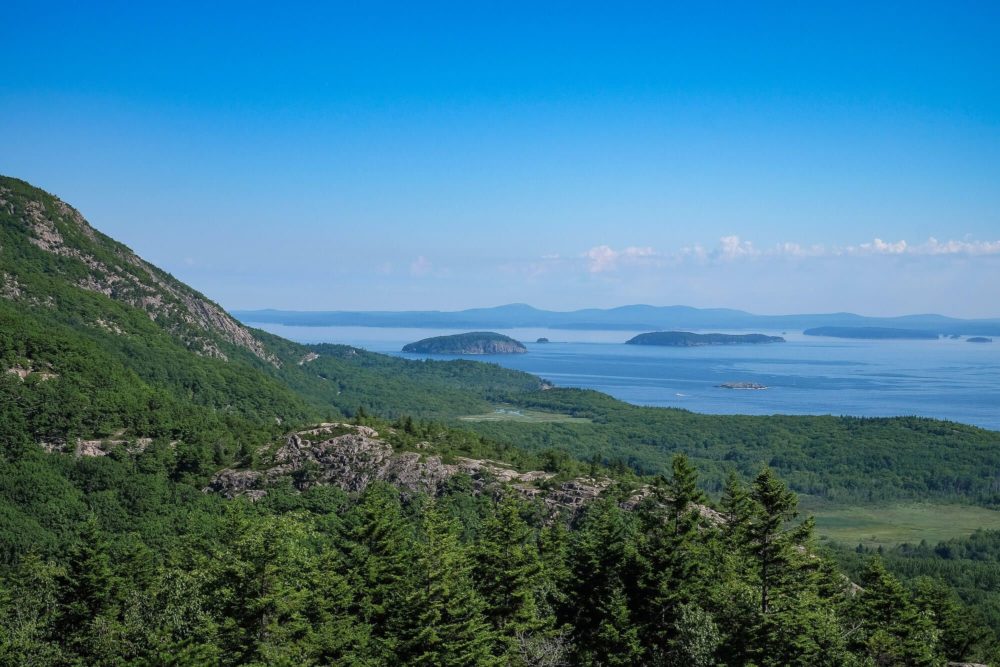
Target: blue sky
774,157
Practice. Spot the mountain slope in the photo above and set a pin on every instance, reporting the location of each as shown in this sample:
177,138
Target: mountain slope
113,346
48,245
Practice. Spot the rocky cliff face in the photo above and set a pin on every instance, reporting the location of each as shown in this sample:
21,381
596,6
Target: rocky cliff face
89,260
353,457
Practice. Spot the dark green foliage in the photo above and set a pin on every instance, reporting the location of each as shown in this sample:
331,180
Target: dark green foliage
894,631
843,459
175,576
957,582
445,623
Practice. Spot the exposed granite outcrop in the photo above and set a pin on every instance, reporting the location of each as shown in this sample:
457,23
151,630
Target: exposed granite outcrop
353,457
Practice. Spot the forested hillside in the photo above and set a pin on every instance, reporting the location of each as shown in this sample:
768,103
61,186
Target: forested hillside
123,393
142,567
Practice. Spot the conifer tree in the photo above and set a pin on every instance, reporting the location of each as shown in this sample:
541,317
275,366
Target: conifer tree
795,625
959,638
894,632
508,573
771,543
737,509
337,637
603,561
617,638
671,556
379,545
92,592
29,612
259,583
444,623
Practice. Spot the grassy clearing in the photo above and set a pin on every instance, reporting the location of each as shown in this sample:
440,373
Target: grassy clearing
895,524
525,416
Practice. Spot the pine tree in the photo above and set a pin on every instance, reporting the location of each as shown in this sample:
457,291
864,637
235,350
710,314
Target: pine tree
337,636
737,509
92,593
671,556
959,638
508,573
795,626
684,491
444,623
259,583
379,547
617,637
29,612
771,543
603,561
894,631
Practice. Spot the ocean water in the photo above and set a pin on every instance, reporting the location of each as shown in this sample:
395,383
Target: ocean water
948,379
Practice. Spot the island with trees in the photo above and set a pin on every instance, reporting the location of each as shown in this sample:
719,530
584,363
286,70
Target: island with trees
476,342
688,339
872,333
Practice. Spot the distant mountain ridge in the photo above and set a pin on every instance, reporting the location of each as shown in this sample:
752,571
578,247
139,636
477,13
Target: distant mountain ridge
625,318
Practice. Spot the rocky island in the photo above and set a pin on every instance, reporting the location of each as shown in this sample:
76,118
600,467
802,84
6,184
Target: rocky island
979,339
476,342
742,385
687,339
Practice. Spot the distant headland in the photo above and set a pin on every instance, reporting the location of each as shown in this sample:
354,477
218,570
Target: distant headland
688,339
872,333
475,342
979,339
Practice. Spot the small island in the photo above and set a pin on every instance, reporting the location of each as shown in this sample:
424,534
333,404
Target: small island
688,339
742,385
476,342
979,339
542,340
872,333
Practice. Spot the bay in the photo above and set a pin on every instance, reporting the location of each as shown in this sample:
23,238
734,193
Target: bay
945,378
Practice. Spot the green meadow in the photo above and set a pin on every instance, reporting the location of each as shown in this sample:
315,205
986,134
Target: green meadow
525,416
891,525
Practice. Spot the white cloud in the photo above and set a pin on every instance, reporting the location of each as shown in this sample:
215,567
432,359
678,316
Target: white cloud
604,258
421,266
935,247
732,247
931,247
